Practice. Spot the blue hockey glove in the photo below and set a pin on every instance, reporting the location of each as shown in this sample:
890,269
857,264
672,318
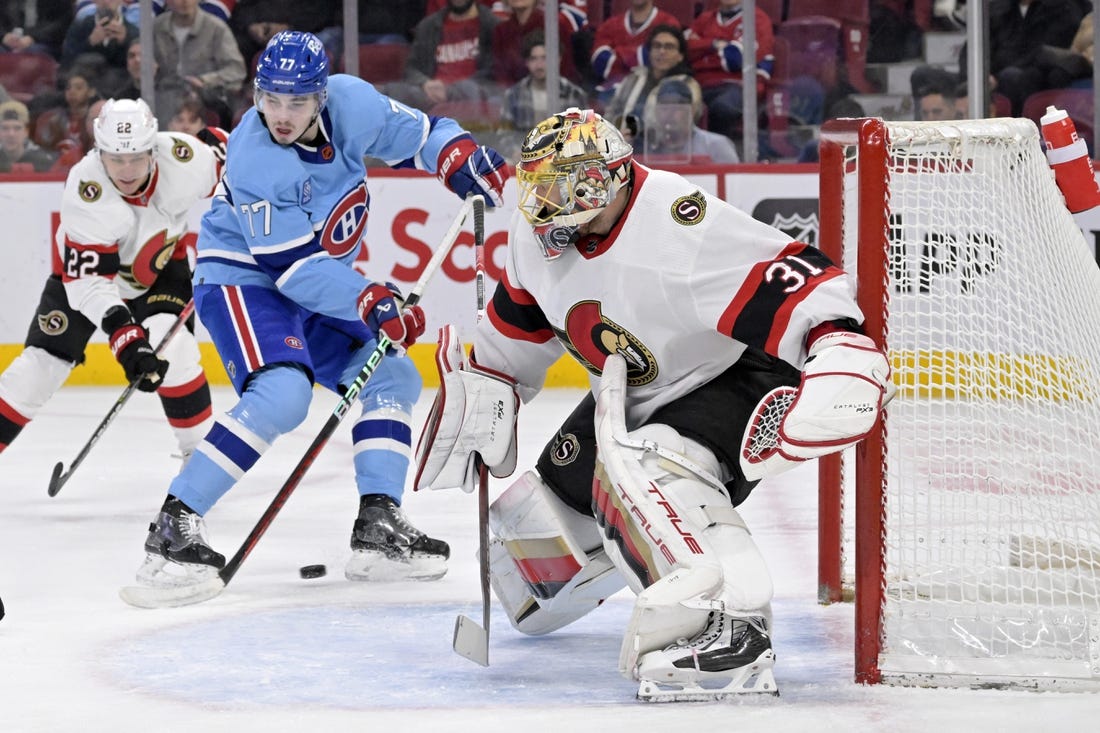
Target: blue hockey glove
468,168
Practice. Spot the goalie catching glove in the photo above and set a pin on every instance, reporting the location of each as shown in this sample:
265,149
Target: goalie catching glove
845,384
474,413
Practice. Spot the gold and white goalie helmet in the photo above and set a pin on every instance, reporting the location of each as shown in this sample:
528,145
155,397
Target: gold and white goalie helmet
571,166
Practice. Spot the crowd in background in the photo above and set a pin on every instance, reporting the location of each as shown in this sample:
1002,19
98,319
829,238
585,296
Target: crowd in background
666,72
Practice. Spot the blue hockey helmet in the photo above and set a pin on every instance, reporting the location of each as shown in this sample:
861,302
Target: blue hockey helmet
294,62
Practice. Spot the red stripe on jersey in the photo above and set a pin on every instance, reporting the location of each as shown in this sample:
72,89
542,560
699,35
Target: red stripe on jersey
243,327
10,413
594,246
783,314
747,291
515,301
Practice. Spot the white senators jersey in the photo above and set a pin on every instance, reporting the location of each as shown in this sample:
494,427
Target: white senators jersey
681,287
111,247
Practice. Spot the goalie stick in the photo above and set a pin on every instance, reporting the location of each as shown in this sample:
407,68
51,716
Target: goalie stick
470,639
170,596
60,475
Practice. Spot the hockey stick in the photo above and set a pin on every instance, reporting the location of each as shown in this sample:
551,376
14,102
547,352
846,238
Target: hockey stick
60,475
471,640
161,597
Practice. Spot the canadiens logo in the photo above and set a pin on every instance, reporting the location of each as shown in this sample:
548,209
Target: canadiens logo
293,342
181,151
90,191
565,449
344,227
689,210
53,323
591,336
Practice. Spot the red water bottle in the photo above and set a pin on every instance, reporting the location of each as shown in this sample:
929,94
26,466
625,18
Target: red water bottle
1068,156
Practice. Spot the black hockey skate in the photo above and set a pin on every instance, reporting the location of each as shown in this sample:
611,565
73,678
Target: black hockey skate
176,549
731,656
386,546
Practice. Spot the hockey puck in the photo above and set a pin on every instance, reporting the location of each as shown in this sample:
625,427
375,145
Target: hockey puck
312,571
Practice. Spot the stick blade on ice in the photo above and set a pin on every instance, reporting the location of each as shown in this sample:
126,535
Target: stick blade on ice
471,641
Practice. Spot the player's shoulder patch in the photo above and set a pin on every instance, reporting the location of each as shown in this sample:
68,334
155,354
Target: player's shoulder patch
181,150
89,191
689,210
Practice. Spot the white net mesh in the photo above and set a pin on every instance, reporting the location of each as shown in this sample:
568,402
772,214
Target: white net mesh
992,503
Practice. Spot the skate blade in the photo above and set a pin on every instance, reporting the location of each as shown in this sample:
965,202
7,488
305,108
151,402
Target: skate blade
471,640
376,567
157,571
173,596
749,681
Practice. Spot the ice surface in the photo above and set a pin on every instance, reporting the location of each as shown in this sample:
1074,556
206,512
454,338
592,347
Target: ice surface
278,653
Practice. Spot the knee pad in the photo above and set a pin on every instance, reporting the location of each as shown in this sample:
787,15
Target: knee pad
275,401
547,563
181,353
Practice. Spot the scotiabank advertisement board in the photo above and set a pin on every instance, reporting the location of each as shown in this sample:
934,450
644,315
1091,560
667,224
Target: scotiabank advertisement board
410,213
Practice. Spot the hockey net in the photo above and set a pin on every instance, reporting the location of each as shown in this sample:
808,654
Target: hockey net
969,524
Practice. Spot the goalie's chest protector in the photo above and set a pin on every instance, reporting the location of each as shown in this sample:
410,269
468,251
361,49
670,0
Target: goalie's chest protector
654,290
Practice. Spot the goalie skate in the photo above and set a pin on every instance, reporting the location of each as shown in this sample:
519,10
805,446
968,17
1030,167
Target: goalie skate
386,546
176,551
730,656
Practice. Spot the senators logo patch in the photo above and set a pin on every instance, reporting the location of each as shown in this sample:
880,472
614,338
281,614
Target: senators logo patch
591,336
181,151
689,210
53,323
89,191
565,449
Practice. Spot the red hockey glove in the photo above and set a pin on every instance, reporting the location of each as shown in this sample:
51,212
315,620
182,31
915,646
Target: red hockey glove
379,309
130,345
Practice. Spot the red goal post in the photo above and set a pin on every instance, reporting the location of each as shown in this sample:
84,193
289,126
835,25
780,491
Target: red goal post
969,529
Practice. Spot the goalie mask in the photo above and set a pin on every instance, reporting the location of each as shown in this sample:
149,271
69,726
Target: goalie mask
571,166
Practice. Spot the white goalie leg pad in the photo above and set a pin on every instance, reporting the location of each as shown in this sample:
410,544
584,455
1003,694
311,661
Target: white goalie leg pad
547,562
32,379
678,541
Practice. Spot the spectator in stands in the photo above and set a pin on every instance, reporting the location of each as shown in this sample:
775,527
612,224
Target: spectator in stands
131,9
935,105
619,44
254,22
52,21
671,128
451,57
715,54
190,116
509,59
894,31
1018,29
843,107
1060,67
525,103
132,88
666,51
100,37
380,21
15,143
197,53
62,127
962,102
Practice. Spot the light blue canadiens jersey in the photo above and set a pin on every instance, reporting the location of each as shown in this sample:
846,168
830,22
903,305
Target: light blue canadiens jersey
292,217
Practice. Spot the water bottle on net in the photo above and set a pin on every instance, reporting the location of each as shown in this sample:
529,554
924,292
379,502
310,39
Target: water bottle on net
1068,157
